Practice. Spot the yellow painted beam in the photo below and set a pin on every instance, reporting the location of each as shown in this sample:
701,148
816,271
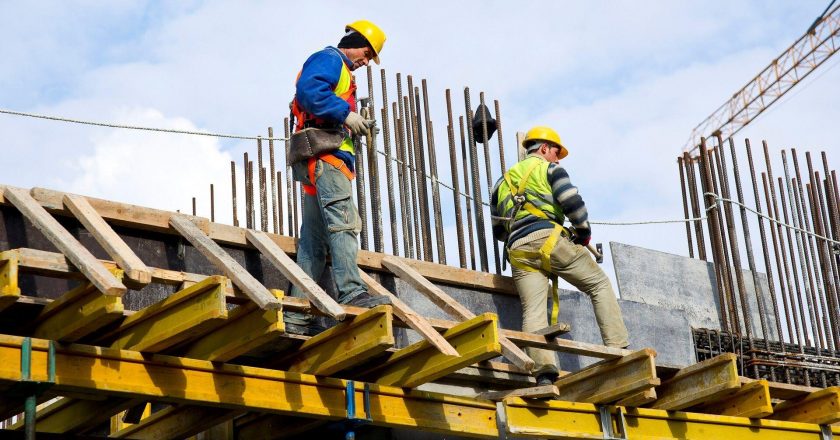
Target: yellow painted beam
610,380
476,340
700,383
176,319
246,328
78,313
751,400
131,374
822,407
9,290
347,344
66,416
570,420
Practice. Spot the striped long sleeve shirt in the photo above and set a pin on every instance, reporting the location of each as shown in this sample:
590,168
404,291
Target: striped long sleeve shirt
565,196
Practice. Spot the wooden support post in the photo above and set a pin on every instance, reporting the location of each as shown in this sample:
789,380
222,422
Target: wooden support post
66,243
348,344
269,249
247,328
702,382
609,381
751,400
449,305
420,324
128,261
821,407
540,392
476,340
213,252
78,313
9,290
174,320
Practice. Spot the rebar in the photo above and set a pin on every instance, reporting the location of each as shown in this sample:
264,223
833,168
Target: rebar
723,250
821,257
247,191
193,206
360,190
467,167
389,176
274,218
373,171
433,170
488,175
262,182
233,192
803,316
212,205
456,187
405,216
479,209
685,208
279,203
410,216
412,173
500,137
420,167
695,205
290,194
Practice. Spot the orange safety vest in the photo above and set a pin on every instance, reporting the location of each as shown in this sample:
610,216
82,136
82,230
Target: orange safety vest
346,90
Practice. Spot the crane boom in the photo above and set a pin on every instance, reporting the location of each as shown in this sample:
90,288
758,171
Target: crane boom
794,64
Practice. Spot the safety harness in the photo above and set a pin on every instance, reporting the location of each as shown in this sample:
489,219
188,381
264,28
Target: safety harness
520,201
332,160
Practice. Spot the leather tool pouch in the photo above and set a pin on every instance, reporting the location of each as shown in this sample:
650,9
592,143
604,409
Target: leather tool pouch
311,142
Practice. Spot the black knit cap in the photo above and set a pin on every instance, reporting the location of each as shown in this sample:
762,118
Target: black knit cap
353,40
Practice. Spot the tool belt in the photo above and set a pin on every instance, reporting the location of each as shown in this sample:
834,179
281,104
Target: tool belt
330,159
544,255
312,142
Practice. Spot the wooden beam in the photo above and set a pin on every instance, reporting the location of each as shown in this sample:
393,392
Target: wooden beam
66,243
128,261
498,374
476,340
638,399
540,392
78,313
702,382
247,328
418,323
68,416
9,289
554,330
176,422
610,380
784,391
174,320
751,400
322,300
452,307
821,407
213,252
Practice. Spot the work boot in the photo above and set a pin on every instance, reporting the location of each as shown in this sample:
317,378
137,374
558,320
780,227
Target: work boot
367,300
546,379
311,329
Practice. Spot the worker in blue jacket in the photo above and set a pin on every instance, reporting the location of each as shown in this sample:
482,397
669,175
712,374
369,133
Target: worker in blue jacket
325,98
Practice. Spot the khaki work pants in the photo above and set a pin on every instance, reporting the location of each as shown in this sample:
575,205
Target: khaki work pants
572,263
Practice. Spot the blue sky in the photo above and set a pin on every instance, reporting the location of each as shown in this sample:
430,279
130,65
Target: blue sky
623,82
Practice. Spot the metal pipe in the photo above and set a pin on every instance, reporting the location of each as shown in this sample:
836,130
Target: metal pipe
456,187
488,175
233,192
389,175
712,221
273,179
465,158
479,209
408,173
685,208
695,205
430,142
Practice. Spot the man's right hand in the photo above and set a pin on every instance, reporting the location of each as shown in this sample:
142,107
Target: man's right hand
356,123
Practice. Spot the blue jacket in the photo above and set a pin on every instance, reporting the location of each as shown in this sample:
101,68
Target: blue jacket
317,80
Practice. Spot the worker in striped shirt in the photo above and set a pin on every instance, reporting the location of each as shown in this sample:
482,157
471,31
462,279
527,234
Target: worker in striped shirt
529,204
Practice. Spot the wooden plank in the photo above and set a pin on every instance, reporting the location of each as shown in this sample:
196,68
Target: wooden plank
135,269
452,307
322,300
476,340
821,407
174,320
554,330
71,416
348,344
9,289
176,422
638,399
540,392
247,328
784,391
751,400
78,313
418,323
610,380
702,382
213,252
66,243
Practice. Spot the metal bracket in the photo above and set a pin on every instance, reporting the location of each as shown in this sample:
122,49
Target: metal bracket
26,386
353,422
825,432
606,421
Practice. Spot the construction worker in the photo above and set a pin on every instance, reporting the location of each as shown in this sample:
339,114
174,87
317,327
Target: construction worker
325,98
528,205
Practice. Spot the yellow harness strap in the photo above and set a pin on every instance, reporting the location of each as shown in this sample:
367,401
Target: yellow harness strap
544,254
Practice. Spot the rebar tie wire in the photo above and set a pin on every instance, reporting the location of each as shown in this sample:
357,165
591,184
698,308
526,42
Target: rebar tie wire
433,179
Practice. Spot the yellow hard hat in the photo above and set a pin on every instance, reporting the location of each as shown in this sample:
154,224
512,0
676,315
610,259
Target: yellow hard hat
372,33
543,133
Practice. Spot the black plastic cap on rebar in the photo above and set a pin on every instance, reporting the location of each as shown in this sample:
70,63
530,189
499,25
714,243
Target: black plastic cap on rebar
478,131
